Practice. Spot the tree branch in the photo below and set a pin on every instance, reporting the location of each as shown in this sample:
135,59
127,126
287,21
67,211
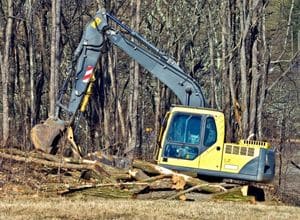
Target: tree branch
285,72
287,32
295,165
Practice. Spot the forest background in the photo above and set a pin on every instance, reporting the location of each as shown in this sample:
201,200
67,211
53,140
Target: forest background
244,54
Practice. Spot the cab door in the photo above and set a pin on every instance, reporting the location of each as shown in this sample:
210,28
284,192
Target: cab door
182,140
211,150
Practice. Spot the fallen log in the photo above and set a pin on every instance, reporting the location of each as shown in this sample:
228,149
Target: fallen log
34,154
154,178
96,168
161,184
31,159
154,195
138,174
110,190
114,173
103,192
191,181
193,188
146,167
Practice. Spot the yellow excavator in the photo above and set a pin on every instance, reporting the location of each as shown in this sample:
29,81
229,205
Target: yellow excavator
192,134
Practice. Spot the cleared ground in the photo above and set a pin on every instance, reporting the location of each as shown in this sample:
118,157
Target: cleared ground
94,208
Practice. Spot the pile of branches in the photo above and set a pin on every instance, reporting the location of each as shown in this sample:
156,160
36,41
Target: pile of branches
143,180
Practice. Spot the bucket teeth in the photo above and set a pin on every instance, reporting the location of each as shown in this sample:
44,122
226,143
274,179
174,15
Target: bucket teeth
43,135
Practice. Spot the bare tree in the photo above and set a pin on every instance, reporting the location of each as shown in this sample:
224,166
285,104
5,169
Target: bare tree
32,67
5,73
119,119
55,54
133,140
212,58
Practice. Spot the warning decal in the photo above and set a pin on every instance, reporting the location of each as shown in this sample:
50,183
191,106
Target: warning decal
95,22
88,74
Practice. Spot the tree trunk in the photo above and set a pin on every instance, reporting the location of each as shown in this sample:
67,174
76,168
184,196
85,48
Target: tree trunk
133,143
244,88
32,69
264,72
233,81
212,61
55,54
5,74
282,136
45,70
226,95
114,84
106,102
254,90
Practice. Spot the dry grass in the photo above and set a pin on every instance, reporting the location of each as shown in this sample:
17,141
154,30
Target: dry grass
94,208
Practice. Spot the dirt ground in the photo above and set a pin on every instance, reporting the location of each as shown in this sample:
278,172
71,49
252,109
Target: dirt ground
28,191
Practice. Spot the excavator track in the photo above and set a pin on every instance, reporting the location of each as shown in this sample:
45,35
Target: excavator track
261,191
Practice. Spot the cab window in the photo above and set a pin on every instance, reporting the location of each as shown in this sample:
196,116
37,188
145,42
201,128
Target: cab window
187,152
210,136
183,138
185,129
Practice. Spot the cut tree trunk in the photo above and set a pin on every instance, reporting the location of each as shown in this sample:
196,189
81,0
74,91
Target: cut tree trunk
155,169
138,174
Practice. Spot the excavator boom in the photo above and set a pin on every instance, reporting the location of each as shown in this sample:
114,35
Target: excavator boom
97,33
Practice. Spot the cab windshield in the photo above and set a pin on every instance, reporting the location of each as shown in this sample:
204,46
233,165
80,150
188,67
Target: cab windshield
183,138
185,129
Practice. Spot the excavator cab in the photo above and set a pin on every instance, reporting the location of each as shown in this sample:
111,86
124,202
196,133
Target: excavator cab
192,140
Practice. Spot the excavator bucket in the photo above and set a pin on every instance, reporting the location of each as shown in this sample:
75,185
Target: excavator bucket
43,135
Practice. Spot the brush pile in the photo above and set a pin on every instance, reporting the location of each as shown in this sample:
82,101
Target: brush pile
99,175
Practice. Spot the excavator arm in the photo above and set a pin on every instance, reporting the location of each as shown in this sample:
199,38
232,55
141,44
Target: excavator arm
165,69
97,34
